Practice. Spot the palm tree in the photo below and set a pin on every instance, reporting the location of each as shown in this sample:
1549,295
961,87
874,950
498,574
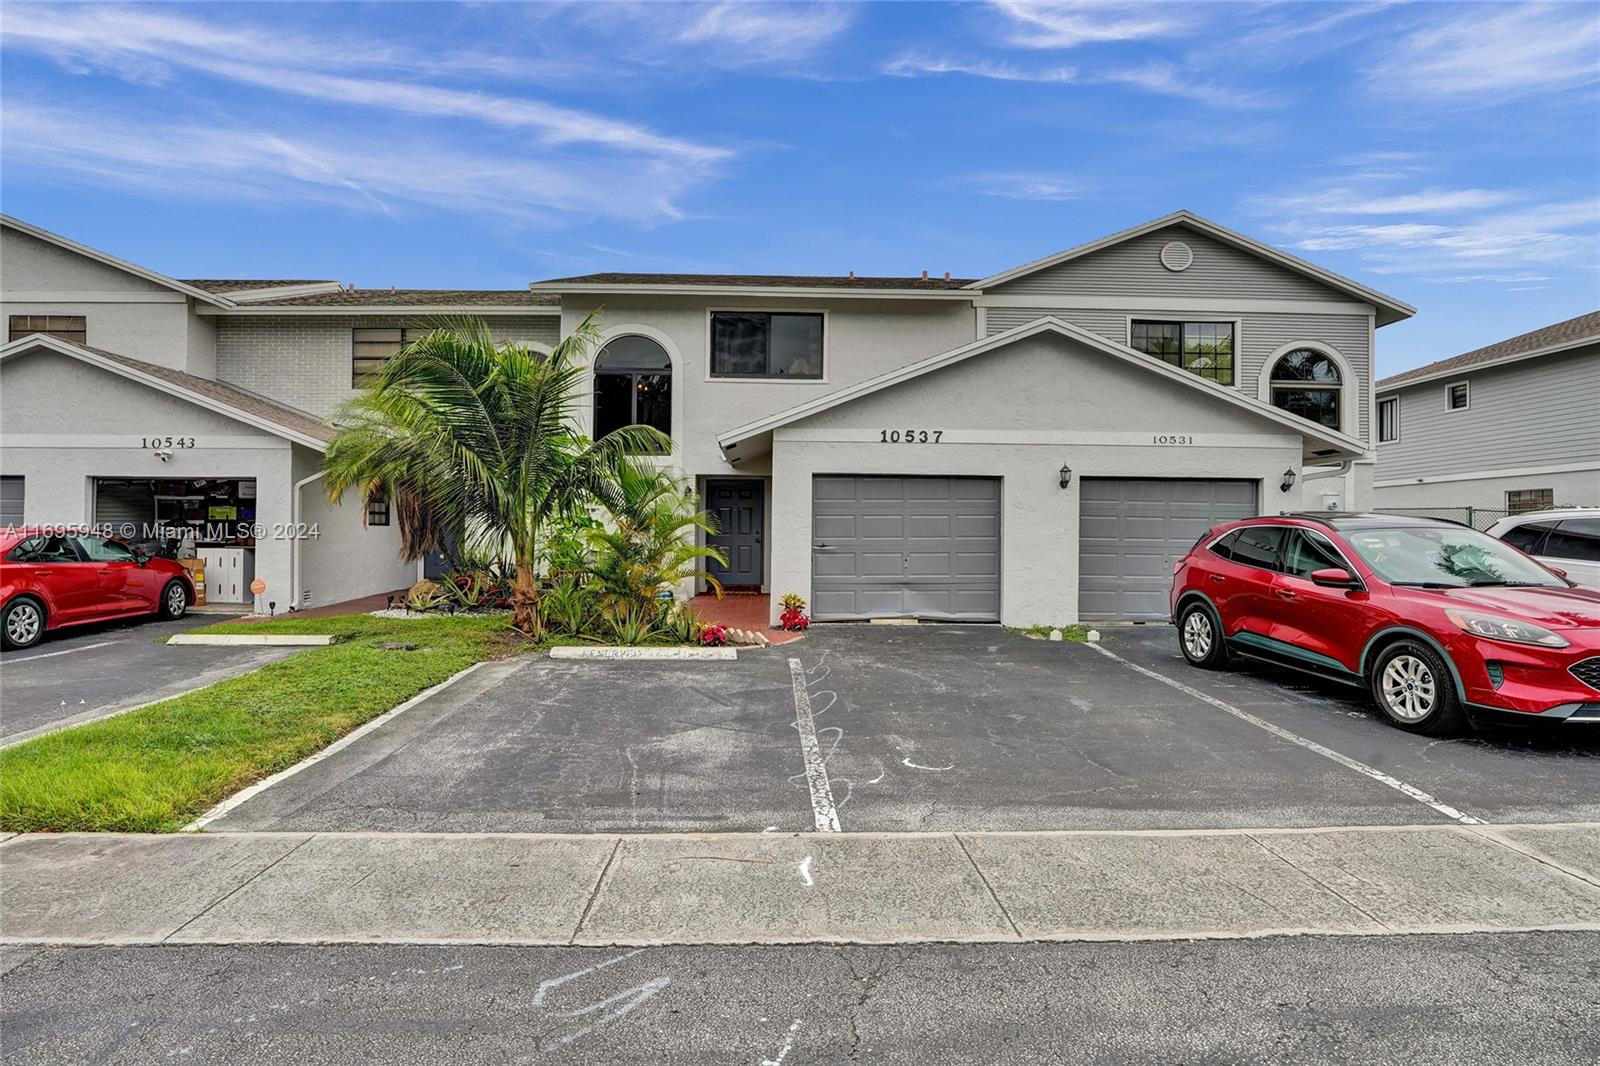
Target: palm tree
483,438
651,543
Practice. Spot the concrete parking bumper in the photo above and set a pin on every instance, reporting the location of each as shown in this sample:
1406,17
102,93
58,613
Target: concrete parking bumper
752,888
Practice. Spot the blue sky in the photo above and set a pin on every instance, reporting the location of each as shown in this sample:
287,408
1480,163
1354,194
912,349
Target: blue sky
1448,154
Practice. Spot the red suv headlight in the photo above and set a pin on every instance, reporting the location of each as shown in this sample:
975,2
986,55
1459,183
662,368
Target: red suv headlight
1493,627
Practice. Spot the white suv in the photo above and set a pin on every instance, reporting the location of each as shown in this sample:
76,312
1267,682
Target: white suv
1566,539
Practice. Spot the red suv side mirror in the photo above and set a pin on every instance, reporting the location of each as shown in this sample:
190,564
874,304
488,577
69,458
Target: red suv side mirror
1334,577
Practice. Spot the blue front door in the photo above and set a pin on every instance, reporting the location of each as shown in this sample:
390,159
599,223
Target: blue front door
740,508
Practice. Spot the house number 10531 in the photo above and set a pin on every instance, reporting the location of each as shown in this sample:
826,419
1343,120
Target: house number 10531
1172,438
910,436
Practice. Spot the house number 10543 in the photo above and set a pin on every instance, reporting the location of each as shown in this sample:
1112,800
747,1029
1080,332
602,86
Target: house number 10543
910,436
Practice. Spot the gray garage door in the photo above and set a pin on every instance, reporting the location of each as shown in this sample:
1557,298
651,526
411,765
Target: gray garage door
1133,529
899,547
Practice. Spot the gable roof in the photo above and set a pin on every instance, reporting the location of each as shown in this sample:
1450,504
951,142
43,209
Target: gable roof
276,418
416,298
1340,442
1549,340
1389,309
123,265
224,286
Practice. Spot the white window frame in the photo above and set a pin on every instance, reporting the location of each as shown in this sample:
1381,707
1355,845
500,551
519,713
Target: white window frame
764,309
1450,389
1379,418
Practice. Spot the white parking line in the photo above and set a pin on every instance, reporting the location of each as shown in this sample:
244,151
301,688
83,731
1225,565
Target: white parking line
1294,738
822,807
63,651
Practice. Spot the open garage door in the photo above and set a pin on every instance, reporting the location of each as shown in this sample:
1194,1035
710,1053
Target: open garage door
905,547
1132,530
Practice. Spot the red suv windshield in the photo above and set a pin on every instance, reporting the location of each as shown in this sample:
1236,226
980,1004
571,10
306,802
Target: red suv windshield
1445,557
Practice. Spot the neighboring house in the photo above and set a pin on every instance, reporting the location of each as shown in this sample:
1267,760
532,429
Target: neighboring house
1511,427
1031,447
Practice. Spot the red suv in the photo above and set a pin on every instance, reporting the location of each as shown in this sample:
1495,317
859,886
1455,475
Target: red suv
53,578
1443,624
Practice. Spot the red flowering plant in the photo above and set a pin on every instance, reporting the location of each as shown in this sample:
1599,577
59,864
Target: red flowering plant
714,635
793,616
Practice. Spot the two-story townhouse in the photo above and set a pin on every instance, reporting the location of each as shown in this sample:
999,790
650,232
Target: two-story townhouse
1035,446
194,412
1513,426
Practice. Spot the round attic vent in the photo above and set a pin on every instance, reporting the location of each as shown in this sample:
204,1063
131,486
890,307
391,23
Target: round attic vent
1175,255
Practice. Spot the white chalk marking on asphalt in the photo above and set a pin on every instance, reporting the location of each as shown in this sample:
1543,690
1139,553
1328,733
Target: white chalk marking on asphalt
63,651
556,982
1295,738
635,998
805,871
822,806
343,742
919,766
788,1046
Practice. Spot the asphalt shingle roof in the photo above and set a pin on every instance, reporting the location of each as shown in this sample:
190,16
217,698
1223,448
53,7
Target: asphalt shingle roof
246,402
772,281
1572,331
419,298
224,286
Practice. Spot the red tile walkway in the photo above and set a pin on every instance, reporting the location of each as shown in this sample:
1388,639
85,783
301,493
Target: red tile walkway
741,611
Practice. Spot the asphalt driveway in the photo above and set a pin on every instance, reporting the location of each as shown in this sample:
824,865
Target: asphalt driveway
915,728
87,671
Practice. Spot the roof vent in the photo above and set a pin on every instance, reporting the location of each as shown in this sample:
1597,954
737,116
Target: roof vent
852,275
924,275
1175,255
947,275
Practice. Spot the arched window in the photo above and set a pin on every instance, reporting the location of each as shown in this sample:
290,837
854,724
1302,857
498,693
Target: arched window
1307,383
632,386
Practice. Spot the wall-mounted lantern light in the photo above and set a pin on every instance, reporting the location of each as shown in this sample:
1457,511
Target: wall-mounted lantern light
1288,480
1066,475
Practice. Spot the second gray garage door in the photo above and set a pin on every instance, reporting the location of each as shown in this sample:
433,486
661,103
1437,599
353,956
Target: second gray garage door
1132,531
905,547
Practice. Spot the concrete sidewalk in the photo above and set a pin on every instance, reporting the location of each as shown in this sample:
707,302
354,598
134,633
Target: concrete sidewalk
740,888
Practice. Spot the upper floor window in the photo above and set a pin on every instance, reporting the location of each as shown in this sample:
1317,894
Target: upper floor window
1389,419
756,344
1307,383
72,328
1203,348
632,386
1457,396
370,348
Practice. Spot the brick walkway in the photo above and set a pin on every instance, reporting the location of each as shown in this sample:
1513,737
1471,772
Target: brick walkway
741,611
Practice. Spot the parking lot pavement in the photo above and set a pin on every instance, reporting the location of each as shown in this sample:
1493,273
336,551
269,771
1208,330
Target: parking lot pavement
1500,775
88,671
936,728
1464,1000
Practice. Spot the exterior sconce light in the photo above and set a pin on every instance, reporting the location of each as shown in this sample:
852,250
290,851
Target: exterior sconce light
1288,480
1066,475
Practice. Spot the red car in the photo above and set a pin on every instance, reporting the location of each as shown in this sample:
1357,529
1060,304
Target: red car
1444,625
54,578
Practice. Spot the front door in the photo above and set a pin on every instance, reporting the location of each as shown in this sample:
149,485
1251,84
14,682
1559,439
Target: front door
740,509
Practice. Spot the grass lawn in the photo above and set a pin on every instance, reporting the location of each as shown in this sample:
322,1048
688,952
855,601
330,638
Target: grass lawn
1076,632
156,769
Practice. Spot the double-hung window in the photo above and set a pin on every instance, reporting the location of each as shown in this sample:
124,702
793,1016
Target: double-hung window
1202,348
1388,419
759,344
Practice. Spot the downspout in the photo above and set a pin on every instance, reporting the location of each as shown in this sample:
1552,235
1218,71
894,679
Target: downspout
294,541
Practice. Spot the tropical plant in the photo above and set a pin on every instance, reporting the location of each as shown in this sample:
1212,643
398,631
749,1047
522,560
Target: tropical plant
486,438
650,544
570,606
714,635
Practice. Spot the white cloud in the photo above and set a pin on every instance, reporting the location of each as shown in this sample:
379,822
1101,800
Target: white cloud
142,43
747,33
155,154
1168,80
1024,186
912,65
1482,50
1346,201
1068,25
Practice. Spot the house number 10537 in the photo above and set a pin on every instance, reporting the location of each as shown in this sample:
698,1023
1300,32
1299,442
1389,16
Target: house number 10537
910,436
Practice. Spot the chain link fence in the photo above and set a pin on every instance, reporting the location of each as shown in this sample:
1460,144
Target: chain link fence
1476,517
